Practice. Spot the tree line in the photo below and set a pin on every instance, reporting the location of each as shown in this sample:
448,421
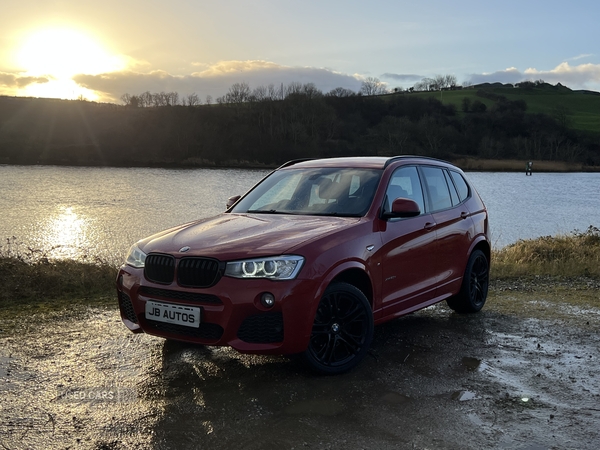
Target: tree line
272,124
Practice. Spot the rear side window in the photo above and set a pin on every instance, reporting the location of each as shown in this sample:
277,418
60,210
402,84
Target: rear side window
461,185
453,193
439,195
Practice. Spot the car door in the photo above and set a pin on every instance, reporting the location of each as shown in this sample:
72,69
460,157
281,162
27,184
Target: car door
453,228
408,248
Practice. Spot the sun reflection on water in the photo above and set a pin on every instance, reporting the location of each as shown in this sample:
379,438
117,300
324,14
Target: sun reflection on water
67,234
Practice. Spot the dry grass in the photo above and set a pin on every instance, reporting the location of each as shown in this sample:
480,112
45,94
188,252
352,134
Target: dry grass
57,280
28,276
565,256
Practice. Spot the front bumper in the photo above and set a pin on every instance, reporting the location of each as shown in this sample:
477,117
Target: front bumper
232,314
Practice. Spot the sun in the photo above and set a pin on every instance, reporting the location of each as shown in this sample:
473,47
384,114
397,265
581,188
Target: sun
58,54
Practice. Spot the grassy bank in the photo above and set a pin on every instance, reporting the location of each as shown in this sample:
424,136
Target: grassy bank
64,282
35,281
564,256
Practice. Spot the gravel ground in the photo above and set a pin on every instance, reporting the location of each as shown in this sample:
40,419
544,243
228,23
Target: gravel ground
521,374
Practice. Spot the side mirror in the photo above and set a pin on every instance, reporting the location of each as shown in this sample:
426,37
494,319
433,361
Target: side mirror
403,207
231,201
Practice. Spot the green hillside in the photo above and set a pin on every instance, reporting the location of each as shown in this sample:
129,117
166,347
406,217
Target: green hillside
581,108
534,122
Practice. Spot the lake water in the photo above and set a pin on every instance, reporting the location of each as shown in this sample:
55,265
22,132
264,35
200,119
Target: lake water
100,212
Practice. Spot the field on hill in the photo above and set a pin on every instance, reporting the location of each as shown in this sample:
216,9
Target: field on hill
581,109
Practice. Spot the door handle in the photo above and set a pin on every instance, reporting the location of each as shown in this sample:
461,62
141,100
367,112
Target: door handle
430,225
464,215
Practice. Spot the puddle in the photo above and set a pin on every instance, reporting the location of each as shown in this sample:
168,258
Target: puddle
463,396
489,379
472,364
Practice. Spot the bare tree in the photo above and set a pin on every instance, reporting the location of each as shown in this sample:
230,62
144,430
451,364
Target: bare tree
146,99
311,91
126,99
172,98
259,94
341,92
294,87
238,93
192,100
372,86
424,85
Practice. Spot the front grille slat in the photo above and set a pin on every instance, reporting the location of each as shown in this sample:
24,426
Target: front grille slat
198,272
160,268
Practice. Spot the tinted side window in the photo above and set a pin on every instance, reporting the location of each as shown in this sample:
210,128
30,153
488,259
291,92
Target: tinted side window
439,195
461,185
453,194
405,183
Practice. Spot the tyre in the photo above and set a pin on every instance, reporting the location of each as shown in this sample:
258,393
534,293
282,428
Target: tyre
342,330
474,289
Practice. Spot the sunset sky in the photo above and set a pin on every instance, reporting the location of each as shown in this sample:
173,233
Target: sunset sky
103,49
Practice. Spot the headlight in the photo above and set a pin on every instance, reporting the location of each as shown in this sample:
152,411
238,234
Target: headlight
273,268
136,257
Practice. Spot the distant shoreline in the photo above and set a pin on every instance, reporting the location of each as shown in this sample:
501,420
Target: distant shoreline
466,164
517,165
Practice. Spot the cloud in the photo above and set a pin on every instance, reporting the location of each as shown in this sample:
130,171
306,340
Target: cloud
214,80
12,80
510,75
583,56
407,78
583,76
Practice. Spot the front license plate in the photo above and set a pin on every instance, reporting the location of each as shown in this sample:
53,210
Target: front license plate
188,316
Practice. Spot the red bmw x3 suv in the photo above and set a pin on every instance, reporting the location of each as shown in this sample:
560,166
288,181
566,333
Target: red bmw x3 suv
312,257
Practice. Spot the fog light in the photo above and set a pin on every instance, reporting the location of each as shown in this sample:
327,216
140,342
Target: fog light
267,300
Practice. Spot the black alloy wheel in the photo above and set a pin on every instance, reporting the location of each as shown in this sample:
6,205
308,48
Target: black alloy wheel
474,290
342,330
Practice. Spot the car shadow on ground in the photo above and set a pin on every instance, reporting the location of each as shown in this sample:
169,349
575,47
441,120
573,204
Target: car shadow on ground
420,384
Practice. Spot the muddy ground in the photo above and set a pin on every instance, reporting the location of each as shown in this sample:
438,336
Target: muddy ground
522,374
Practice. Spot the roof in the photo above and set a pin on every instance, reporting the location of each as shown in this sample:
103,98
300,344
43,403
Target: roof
365,162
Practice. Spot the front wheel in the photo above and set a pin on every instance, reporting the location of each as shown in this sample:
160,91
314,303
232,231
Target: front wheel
342,330
474,289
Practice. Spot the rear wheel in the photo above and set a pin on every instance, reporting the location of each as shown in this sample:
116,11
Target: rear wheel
474,289
342,330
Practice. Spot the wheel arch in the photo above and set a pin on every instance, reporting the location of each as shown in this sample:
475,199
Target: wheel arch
357,278
485,247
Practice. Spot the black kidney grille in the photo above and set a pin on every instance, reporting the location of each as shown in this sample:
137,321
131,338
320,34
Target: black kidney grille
198,272
160,268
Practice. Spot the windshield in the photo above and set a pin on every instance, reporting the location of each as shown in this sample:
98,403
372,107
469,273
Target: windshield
322,191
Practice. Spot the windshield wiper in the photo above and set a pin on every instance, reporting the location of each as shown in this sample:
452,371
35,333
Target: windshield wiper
265,211
272,211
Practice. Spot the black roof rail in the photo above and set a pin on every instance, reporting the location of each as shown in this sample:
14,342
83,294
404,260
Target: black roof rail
294,161
401,157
